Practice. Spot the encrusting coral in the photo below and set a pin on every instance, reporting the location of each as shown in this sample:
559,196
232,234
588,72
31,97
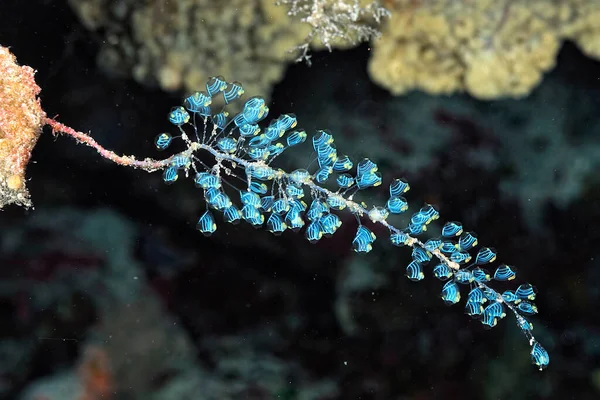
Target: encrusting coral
21,121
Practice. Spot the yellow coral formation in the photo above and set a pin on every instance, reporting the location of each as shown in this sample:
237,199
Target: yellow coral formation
21,121
488,48
179,44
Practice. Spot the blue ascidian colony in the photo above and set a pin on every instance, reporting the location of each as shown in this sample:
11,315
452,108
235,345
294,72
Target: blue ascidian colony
244,184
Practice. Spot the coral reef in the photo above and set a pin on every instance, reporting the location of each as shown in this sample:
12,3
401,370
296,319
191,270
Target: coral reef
336,23
487,48
135,348
178,44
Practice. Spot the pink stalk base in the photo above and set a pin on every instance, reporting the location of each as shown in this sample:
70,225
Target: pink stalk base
148,164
